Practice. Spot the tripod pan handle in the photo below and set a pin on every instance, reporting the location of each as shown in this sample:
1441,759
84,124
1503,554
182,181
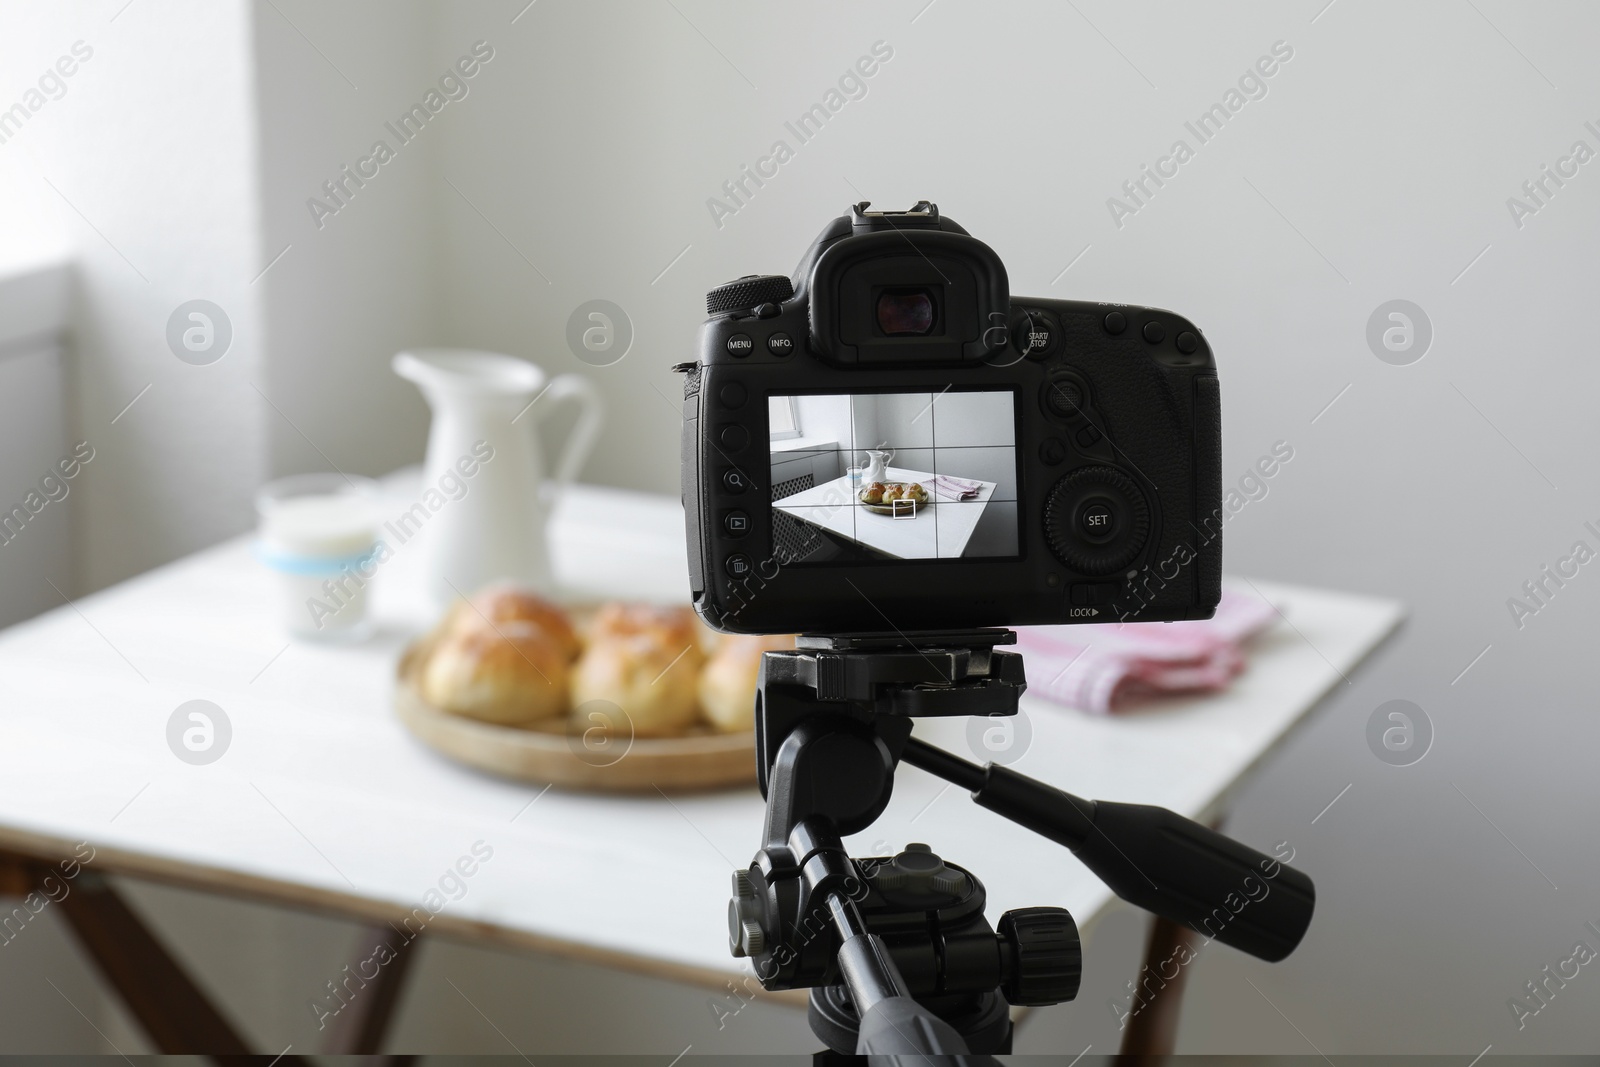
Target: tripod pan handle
1164,863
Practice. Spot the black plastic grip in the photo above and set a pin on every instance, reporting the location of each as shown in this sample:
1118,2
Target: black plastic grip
1208,489
1166,864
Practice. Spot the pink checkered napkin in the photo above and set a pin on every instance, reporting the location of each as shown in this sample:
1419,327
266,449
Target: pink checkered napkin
954,488
1104,667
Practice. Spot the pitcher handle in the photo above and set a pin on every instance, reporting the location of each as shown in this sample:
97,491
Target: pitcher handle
584,433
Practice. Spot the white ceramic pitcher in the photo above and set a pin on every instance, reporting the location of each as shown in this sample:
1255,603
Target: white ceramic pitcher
878,465
482,401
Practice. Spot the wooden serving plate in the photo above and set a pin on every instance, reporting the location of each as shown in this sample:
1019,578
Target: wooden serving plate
888,509
554,753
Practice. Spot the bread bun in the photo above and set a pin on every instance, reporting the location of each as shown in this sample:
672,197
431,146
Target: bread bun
513,676
501,603
670,629
652,681
727,688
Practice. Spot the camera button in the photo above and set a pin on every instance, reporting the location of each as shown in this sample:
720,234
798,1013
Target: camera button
732,395
1088,436
734,438
1154,332
1052,450
780,345
739,345
1092,594
736,523
1187,342
1063,397
734,481
1042,337
737,565
1097,523
1116,322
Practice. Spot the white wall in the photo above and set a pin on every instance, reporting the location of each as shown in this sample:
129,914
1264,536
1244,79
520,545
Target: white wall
355,287
150,159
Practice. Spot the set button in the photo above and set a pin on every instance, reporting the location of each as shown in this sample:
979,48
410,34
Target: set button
1097,523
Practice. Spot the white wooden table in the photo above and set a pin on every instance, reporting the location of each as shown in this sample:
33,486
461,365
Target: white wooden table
939,530
322,800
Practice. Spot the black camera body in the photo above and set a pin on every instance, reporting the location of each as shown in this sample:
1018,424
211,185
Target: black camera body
887,442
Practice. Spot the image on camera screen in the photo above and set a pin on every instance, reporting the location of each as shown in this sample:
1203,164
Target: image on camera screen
893,476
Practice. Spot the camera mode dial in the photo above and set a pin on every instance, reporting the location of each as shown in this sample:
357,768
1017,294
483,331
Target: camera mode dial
752,290
1096,520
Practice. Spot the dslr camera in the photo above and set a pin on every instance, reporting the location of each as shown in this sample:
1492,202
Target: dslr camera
887,441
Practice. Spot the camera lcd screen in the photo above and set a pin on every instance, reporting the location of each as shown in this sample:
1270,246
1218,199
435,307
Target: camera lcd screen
878,477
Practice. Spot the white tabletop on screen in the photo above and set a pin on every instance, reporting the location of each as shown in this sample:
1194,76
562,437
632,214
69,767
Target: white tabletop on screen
942,529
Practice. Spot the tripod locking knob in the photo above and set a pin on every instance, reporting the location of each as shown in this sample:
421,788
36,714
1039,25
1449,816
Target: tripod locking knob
745,934
917,877
1041,956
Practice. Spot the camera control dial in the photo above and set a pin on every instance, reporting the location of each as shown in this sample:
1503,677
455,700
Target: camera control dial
1096,520
752,290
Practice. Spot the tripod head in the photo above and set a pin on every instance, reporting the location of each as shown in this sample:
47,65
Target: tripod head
898,953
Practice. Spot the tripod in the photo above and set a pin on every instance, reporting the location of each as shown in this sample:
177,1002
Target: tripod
897,953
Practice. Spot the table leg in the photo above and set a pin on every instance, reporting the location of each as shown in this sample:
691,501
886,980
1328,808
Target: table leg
359,1027
1152,1027
178,1017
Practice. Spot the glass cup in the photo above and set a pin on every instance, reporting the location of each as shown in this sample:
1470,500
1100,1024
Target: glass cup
319,533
